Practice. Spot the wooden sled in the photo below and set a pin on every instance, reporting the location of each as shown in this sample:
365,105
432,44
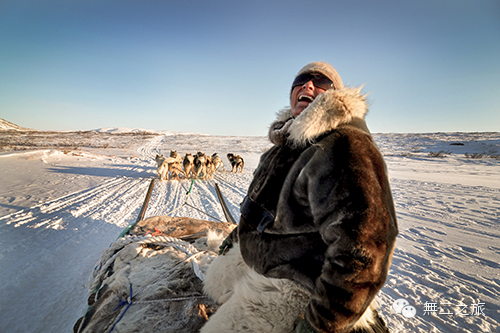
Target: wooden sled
151,279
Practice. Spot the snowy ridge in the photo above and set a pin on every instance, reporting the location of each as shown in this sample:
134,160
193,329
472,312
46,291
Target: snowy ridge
60,208
8,126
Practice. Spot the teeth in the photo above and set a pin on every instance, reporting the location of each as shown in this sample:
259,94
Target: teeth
302,97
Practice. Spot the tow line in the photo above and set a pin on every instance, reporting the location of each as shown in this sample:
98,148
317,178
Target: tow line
142,212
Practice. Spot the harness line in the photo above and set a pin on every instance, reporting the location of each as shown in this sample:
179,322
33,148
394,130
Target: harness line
189,205
159,240
176,243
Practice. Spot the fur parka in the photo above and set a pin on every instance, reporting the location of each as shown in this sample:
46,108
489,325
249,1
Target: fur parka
319,210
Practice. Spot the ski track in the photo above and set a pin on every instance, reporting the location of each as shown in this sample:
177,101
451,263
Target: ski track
448,248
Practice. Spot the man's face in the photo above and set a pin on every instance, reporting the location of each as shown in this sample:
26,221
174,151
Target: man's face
302,96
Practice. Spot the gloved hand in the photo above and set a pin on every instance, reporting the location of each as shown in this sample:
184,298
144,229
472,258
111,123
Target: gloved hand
304,327
225,246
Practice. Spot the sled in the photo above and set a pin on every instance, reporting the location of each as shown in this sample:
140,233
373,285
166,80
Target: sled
151,278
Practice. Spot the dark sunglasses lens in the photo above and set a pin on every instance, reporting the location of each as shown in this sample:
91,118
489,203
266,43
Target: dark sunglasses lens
318,80
322,82
301,79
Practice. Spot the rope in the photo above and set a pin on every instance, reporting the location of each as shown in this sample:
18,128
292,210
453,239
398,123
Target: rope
189,205
129,302
215,218
176,243
120,244
190,187
187,196
177,299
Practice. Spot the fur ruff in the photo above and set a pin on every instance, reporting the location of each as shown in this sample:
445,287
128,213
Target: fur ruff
327,112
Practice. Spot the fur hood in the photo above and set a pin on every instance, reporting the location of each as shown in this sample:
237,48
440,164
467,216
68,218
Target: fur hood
327,112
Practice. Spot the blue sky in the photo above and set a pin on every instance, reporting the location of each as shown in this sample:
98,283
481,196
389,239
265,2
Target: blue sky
225,67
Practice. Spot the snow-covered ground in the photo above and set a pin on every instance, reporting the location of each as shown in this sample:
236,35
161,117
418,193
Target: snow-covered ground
69,196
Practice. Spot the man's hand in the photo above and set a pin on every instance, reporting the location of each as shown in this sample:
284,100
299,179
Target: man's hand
225,246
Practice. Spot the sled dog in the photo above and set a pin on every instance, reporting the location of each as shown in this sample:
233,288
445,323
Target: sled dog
188,164
210,167
162,167
217,162
236,161
200,165
175,165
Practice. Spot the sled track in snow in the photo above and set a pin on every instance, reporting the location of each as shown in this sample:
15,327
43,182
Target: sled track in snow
116,201
168,198
76,227
79,225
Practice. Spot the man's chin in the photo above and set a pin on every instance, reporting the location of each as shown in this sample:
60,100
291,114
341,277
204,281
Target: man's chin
298,110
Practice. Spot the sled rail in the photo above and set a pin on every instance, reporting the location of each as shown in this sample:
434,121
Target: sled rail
228,215
142,211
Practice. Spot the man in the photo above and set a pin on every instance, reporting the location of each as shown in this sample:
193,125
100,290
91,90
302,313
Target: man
318,227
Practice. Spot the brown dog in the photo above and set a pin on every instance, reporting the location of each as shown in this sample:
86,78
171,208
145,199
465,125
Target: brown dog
237,162
188,164
200,165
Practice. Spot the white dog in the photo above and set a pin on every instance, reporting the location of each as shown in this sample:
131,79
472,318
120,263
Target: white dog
162,167
217,162
166,164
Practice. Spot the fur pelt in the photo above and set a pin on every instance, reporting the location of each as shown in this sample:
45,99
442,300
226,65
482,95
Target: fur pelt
166,294
223,274
252,302
255,303
327,112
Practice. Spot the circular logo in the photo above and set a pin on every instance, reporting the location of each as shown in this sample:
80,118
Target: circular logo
399,305
409,311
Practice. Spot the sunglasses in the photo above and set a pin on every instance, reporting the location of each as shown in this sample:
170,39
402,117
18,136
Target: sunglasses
319,80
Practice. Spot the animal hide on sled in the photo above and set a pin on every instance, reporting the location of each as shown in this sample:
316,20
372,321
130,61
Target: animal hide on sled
154,283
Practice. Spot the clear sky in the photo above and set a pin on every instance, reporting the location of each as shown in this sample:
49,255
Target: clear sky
225,67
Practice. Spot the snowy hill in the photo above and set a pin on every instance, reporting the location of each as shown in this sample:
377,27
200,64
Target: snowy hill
8,126
125,130
69,196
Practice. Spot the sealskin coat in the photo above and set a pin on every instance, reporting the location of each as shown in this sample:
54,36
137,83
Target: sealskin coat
319,210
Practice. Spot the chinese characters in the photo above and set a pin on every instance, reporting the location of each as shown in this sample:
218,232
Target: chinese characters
461,309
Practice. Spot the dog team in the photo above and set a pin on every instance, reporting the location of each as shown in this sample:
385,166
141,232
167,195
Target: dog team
198,166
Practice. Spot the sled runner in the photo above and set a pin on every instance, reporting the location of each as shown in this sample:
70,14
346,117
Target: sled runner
151,278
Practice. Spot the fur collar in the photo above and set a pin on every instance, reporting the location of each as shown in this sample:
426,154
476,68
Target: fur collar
327,112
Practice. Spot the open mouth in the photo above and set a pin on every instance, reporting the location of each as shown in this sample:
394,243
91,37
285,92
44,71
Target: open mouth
305,98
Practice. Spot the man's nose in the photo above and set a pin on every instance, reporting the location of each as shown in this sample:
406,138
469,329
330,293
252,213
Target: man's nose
308,85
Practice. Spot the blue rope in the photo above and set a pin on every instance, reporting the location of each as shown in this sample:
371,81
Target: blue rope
127,301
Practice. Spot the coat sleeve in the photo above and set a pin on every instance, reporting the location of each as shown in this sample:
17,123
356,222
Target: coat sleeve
347,190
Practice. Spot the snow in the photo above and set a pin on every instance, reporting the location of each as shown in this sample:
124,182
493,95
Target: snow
70,195
8,126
